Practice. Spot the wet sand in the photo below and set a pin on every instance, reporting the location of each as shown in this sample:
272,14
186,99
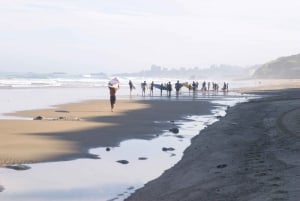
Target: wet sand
68,131
251,154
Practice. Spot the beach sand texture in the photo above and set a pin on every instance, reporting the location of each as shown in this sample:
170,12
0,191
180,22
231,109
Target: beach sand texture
271,84
250,154
69,131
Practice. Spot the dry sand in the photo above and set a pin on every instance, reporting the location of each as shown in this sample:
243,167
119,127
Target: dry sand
28,141
271,84
69,131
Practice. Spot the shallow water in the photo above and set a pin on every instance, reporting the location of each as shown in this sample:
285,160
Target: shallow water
104,179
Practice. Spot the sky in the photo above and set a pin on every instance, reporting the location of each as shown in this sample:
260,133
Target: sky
113,36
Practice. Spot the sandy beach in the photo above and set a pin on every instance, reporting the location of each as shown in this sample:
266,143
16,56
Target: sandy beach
271,84
68,131
250,154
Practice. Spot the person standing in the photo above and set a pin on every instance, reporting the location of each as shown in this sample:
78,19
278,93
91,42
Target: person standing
112,92
177,87
144,85
169,88
151,88
161,88
130,86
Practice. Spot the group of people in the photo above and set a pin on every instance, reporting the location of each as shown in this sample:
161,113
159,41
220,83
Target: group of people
168,87
206,86
194,86
144,86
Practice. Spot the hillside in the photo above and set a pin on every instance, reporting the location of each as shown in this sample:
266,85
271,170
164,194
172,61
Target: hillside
283,67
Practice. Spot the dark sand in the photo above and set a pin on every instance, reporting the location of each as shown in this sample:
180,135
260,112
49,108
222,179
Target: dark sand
251,154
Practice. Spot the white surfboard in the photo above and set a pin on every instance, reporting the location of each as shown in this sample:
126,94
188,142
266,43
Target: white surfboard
114,83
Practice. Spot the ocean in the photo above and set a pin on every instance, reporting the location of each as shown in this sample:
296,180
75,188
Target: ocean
35,91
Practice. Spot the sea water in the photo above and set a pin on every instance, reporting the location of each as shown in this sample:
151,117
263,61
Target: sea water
100,179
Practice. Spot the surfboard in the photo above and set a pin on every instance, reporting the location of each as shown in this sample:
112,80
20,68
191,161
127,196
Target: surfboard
180,85
114,83
133,87
186,84
158,86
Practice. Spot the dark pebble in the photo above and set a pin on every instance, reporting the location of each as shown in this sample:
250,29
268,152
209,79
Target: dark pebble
64,111
18,167
38,118
174,130
130,188
222,166
124,162
168,149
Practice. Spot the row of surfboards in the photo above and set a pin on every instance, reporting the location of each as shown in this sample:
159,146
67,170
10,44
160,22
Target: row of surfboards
164,87
114,83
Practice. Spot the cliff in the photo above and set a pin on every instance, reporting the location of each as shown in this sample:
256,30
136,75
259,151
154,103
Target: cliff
281,68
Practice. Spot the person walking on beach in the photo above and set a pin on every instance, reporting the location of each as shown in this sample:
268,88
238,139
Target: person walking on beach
225,87
112,92
151,88
194,86
177,87
143,85
130,86
169,88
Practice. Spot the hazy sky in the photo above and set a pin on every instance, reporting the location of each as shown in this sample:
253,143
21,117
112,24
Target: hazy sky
82,36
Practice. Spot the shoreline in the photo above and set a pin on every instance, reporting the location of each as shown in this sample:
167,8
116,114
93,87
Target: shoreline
146,160
69,131
250,154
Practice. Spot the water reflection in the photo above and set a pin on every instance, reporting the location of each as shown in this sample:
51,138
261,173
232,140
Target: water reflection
104,178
